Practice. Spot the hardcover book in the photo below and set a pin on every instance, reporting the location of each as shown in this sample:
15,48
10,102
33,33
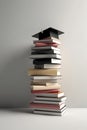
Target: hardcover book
37,56
46,61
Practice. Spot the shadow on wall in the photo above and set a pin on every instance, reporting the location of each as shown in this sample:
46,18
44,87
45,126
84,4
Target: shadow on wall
14,81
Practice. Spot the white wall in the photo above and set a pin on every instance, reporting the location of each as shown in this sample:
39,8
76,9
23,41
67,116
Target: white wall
19,19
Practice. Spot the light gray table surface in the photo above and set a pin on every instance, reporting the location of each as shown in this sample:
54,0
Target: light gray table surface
22,119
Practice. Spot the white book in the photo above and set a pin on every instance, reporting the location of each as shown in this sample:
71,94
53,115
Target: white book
55,61
49,112
45,77
49,102
43,95
53,110
56,99
37,56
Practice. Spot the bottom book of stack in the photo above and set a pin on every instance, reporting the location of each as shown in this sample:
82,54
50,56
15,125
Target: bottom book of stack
49,102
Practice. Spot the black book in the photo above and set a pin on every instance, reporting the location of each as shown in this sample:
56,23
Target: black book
45,52
45,48
46,61
49,32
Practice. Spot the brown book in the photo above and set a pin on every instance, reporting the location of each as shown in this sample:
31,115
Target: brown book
44,72
51,106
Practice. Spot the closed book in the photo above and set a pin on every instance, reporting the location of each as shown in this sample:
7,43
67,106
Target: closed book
46,66
42,105
43,87
45,91
41,44
34,52
45,48
37,56
45,77
55,99
44,72
43,95
45,83
45,112
46,61
52,110
49,102
48,40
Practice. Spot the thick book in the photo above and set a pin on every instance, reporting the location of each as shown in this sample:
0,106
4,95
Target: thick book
49,106
44,72
41,44
43,87
48,40
46,66
45,48
49,95
55,99
37,56
44,112
46,61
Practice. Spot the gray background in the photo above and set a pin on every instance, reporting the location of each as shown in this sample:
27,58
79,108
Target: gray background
19,19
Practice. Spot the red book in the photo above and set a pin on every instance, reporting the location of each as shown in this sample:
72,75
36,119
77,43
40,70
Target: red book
45,91
46,44
51,106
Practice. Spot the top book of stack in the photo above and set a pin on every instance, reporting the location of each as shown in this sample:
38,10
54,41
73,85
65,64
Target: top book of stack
49,32
49,35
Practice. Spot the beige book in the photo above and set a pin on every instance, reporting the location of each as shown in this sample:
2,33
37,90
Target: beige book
47,66
43,72
45,83
43,87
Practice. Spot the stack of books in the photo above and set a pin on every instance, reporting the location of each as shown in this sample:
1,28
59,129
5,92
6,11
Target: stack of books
49,99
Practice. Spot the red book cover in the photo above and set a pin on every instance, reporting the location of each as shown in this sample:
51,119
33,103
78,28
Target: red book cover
41,105
46,44
46,91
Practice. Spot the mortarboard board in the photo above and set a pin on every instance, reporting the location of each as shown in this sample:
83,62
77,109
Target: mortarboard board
49,32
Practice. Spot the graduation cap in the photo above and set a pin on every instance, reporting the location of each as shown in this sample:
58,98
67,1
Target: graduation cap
49,32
